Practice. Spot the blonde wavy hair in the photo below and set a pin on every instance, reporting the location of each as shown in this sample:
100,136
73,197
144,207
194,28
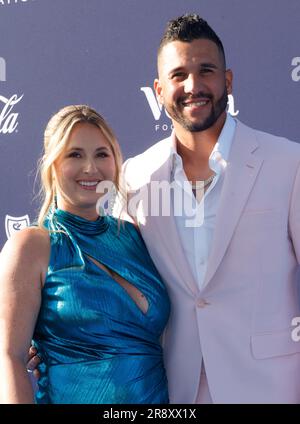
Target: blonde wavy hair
56,137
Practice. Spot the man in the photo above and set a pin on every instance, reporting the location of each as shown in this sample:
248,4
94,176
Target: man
232,280
232,277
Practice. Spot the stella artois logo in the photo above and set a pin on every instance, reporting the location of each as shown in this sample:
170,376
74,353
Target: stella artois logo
15,223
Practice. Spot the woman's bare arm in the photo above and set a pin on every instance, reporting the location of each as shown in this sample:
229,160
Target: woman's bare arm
23,266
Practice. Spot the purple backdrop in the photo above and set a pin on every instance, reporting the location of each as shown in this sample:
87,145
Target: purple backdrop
103,52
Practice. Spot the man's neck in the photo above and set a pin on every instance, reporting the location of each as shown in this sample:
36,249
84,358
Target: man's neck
196,147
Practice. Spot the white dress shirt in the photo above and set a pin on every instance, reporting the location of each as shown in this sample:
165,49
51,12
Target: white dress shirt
197,239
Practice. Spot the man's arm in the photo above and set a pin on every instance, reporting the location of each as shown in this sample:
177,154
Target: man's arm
294,217
121,204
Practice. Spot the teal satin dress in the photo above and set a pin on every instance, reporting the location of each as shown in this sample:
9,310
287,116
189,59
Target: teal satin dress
96,344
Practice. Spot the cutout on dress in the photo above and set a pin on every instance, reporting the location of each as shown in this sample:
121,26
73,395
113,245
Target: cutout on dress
135,294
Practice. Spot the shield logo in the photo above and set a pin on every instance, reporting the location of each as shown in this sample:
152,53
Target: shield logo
15,223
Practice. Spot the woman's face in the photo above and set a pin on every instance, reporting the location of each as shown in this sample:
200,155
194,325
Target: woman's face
86,161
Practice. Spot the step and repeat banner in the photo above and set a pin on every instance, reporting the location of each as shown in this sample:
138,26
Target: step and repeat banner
103,53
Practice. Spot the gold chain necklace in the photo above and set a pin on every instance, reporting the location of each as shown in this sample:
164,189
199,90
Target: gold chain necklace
205,182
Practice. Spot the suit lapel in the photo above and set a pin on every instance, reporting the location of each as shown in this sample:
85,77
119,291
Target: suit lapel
242,169
159,232
167,236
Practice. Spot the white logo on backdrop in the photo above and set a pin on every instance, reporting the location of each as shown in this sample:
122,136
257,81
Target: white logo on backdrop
296,71
155,106
2,69
15,223
9,119
157,109
296,331
11,2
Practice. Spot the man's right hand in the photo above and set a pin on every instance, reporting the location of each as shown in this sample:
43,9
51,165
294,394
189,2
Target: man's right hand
33,362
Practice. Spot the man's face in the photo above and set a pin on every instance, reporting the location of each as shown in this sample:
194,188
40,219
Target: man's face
193,84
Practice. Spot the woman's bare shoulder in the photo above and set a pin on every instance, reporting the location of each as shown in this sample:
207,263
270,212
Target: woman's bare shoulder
31,242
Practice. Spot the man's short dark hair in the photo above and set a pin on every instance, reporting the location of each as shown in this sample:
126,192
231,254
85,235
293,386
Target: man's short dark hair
187,28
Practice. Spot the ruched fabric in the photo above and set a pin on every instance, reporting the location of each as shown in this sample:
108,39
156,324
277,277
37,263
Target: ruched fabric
96,343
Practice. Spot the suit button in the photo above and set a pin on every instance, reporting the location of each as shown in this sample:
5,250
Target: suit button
201,303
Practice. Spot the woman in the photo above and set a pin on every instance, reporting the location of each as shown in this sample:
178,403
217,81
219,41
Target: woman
82,286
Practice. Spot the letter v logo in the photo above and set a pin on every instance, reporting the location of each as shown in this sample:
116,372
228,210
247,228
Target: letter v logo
155,106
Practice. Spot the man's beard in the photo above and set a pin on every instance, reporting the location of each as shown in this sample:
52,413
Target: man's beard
216,111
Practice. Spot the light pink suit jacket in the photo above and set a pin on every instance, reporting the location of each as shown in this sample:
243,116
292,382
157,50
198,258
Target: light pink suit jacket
240,323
